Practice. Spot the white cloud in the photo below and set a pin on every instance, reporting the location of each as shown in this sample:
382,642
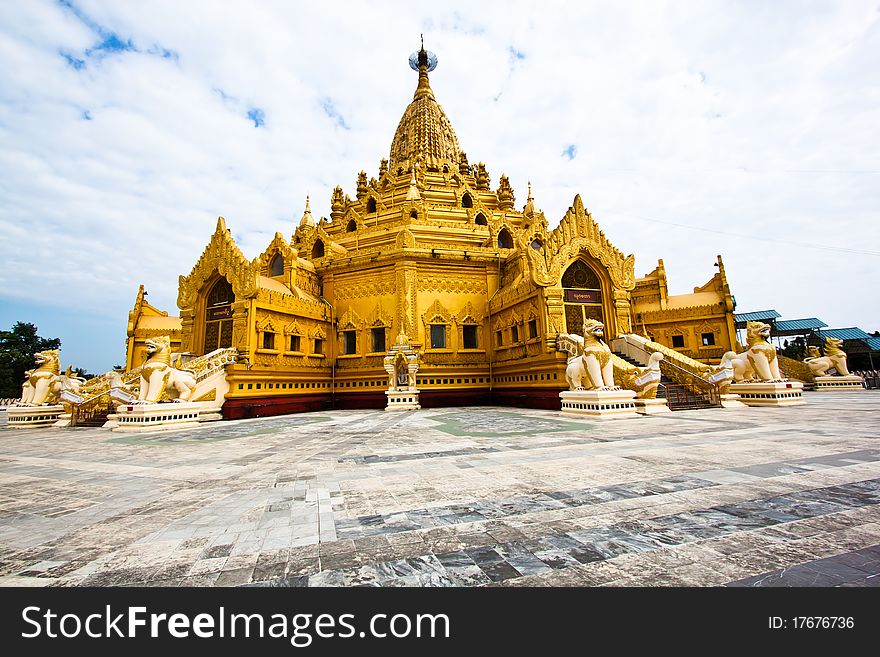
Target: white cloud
759,120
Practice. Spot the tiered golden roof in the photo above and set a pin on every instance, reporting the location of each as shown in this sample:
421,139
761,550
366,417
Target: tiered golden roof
424,132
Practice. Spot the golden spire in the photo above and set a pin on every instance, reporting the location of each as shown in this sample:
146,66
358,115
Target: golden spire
307,219
423,90
529,207
424,132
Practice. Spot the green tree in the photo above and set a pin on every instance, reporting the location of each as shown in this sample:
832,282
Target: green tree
17,349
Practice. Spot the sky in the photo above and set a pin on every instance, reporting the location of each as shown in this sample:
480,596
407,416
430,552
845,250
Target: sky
690,129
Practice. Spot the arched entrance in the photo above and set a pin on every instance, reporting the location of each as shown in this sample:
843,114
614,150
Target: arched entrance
582,295
218,316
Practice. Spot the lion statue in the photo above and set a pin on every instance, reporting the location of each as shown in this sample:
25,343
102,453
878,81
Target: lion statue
833,360
590,366
644,380
159,379
759,362
42,385
722,374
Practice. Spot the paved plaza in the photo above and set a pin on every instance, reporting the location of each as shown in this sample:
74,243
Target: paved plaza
453,497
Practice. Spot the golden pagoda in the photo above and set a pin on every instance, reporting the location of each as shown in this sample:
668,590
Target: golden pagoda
427,252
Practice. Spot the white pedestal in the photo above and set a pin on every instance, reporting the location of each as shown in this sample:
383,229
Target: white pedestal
651,406
730,400
788,393
63,421
26,417
403,400
829,383
136,418
599,404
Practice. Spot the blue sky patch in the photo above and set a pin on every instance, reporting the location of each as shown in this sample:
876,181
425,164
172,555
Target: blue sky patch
72,61
223,95
516,55
570,151
164,53
330,110
109,41
257,115
86,115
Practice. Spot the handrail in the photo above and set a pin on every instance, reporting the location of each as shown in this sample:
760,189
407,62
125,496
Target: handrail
132,377
669,363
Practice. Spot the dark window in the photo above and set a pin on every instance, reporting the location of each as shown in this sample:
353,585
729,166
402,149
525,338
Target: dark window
467,201
371,205
505,241
579,275
221,294
480,220
469,336
318,250
514,333
378,335
499,338
294,343
319,346
536,245
350,342
352,226
438,336
276,267
268,340
413,215
708,339
678,341
533,329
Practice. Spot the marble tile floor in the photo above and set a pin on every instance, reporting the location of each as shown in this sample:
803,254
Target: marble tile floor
453,497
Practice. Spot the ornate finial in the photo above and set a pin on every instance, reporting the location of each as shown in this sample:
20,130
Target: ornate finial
412,193
423,62
307,219
529,207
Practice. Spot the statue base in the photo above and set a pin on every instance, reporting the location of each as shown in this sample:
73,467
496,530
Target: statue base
787,393
599,404
28,417
137,418
63,420
829,383
731,400
403,400
651,406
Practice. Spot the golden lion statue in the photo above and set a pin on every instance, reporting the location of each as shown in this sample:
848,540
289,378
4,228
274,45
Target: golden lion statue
43,384
590,366
759,361
159,379
834,359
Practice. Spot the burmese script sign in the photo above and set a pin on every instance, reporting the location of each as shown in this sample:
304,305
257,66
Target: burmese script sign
583,296
221,312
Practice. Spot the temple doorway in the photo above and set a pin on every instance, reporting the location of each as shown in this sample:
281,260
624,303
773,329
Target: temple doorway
218,316
582,296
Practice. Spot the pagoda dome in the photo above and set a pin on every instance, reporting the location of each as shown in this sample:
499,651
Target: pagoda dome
424,132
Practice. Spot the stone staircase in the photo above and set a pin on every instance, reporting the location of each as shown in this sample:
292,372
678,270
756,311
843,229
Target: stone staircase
680,383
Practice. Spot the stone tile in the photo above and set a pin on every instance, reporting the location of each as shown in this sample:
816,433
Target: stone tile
451,497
